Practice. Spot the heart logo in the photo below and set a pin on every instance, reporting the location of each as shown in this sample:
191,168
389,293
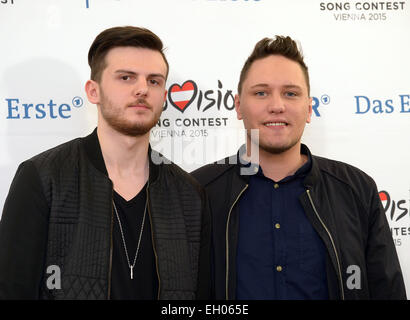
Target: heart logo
383,196
182,96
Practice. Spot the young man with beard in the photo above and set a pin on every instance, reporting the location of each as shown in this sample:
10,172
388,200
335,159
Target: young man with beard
302,226
105,216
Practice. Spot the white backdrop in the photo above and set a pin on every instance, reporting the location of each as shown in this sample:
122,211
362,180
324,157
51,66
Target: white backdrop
357,53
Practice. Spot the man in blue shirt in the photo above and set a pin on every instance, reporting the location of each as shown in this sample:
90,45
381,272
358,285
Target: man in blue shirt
299,226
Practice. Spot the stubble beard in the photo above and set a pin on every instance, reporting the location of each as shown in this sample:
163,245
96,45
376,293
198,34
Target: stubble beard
113,117
269,148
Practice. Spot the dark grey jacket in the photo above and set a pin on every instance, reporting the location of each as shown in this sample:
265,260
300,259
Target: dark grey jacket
59,213
342,204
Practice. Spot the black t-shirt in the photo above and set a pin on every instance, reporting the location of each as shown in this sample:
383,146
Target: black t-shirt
144,285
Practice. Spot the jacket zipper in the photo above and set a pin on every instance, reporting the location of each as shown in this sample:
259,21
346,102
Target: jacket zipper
153,245
111,249
227,242
333,244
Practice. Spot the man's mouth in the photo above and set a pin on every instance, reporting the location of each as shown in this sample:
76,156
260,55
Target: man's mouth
139,105
275,124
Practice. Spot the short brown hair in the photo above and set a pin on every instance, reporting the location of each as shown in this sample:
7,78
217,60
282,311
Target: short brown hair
283,46
127,36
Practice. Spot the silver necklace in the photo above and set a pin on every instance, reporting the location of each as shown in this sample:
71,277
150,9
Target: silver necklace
139,240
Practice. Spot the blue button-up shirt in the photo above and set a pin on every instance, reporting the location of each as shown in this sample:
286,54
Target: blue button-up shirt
279,254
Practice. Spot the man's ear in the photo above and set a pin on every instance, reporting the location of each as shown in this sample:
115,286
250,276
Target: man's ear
238,107
309,117
92,89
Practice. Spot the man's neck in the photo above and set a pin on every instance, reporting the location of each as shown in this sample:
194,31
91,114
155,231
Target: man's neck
126,160
279,166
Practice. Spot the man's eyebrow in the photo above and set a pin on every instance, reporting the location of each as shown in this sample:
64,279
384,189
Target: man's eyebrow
157,75
260,85
292,86
287,86
125,71
134,73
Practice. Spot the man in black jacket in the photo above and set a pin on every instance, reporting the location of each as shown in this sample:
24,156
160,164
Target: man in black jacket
287,224
106,217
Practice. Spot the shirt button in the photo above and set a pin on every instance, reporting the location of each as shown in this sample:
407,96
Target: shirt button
277,226
276,186
279,268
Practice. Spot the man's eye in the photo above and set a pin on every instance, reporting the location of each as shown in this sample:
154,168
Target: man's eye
260,93
290,94
153,81
125,78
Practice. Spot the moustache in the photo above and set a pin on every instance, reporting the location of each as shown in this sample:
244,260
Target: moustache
140,101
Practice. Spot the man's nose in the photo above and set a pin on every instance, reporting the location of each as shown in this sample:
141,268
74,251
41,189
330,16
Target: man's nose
141,87
276,103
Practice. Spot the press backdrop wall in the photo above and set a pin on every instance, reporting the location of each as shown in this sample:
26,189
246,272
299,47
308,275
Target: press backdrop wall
357,53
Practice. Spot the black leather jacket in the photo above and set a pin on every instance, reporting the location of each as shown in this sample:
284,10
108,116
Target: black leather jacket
59,213
342,204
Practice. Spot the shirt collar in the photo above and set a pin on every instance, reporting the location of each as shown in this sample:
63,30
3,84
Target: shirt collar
302,172
93,150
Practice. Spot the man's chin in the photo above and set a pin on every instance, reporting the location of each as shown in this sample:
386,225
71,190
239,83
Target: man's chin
133,130
276,149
